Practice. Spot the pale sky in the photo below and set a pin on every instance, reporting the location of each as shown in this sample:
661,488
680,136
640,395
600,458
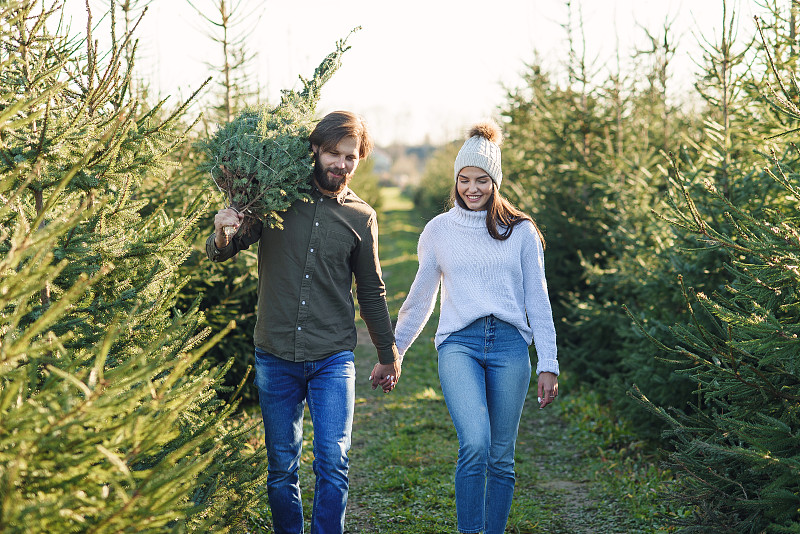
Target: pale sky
418,68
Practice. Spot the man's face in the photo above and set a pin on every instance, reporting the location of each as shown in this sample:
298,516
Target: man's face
334,167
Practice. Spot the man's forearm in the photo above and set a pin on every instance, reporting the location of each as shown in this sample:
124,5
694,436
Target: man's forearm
221,240
376,317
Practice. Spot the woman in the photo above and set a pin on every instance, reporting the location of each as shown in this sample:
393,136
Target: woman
488,258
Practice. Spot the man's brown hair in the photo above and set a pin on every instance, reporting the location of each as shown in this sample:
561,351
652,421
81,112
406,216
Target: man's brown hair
336,126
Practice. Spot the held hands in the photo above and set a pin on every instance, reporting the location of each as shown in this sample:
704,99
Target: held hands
385,375
227,217
548,388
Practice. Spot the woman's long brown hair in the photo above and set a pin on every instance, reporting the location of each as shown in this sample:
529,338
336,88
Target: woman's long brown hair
501,215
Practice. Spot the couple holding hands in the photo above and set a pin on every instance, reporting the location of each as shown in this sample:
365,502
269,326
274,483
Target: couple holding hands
487,258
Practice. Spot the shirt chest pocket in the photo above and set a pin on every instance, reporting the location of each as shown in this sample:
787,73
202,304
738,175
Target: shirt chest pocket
338,248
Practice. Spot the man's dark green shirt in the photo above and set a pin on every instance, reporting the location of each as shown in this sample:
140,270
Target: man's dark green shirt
305,275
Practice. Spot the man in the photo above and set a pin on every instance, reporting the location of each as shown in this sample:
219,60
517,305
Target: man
305,331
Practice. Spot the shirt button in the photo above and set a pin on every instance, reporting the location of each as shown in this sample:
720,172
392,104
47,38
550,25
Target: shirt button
299,327
306,276
316,224
312,250
303,303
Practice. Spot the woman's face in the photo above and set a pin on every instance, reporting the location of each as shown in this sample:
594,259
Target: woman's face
474,186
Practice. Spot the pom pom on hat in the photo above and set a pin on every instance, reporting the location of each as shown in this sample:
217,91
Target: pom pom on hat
482,150
488,130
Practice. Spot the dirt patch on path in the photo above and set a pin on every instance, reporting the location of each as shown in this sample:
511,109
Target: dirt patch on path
553,477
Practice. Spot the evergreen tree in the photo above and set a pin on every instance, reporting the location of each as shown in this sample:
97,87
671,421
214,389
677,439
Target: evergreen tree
229,28
556,161
738,454
227,292
724,158
636,270
110,419
432,197
131,12
736,449
366,185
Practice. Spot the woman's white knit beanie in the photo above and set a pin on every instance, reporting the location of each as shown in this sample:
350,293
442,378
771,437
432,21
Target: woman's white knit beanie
482,150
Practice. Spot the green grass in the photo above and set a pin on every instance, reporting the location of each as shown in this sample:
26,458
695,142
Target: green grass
577,469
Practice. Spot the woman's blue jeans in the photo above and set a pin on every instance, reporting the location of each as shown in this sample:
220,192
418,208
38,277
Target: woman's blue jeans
284,387
485,371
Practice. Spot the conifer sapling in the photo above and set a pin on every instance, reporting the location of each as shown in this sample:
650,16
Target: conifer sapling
262,159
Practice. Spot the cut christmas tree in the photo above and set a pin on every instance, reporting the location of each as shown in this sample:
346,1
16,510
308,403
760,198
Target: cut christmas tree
262,159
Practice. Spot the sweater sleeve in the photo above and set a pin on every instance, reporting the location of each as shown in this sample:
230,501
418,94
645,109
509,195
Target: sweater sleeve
537,304
421,299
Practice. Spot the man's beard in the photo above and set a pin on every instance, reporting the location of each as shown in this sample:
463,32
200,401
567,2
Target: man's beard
326,182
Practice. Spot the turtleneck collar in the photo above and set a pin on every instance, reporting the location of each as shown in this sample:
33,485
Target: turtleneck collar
465,217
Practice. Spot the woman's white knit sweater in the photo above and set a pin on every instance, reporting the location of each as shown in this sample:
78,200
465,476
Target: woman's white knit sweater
480,276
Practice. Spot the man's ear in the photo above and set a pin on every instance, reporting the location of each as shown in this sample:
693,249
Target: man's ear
315,149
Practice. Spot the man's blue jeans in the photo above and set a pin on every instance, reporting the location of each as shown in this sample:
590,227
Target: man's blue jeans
284,387
485,371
